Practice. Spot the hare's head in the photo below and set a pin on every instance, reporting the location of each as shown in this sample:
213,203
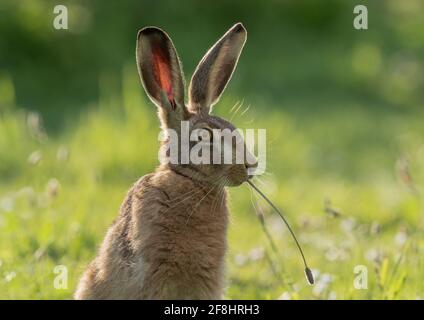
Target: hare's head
160,72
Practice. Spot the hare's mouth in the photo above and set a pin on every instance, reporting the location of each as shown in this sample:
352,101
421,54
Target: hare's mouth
237,175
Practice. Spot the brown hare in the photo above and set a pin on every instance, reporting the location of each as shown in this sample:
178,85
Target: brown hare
169,241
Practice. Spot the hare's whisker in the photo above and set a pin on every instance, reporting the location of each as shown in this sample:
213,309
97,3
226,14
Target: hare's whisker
193,193
220,194
197,205
234,106
245,110
215,202
186,198
218,183
184,194
235,112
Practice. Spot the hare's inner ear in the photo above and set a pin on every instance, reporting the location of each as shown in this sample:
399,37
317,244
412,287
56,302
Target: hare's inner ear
160,72
215,69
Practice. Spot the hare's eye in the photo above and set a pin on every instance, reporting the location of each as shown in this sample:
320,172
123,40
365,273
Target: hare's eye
206,134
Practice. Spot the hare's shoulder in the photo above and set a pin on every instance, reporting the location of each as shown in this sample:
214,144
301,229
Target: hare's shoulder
164,184
155,190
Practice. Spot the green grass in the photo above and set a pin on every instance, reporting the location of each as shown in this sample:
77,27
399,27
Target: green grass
59,193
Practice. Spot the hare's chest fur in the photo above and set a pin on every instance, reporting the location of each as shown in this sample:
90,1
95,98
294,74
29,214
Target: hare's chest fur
168,243
181,242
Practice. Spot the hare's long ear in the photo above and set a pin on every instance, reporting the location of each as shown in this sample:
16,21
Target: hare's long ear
160,72
215,69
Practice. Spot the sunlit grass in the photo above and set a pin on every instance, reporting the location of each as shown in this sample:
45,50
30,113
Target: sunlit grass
349,181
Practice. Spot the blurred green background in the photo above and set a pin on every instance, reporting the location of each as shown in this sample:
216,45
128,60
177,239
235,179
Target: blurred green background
343,111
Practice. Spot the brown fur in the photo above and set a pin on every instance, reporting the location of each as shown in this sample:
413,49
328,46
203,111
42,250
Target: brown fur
169,240
163,245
